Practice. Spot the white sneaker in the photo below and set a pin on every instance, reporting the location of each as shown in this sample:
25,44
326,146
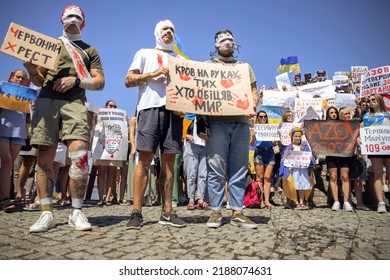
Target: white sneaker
78,220
336,206
381,208
228,206
385,188
347,207
44,223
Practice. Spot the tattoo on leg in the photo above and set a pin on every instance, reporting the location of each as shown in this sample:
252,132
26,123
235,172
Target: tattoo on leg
45,172
80,190
166,185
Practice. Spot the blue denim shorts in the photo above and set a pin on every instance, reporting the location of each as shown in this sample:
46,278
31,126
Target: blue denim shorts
15,140
264,156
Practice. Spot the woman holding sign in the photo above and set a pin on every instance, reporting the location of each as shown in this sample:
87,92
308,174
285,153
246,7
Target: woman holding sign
377,115
107,173
264,163
13,135
334,164
300,175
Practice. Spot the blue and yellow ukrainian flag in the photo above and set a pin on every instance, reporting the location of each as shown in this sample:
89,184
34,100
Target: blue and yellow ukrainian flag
178,47
289,64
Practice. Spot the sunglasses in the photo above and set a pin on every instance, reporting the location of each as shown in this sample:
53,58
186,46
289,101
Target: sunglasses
262,117
112,106
371,100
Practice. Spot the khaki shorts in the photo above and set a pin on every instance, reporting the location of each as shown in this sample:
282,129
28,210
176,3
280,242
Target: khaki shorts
52,115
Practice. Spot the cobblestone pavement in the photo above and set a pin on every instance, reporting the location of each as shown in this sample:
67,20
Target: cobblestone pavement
282,234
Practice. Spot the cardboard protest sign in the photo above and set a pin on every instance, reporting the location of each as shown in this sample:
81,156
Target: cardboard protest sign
332,138
357,72
274,113
297,159
24,43
209,88
376,81
323,89
16,97
375,140
266,132
110,140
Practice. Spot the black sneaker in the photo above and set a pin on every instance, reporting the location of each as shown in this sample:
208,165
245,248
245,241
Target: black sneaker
135,221
171,219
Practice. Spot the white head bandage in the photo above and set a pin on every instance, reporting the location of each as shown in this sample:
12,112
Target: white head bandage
159,33
224,42
67,20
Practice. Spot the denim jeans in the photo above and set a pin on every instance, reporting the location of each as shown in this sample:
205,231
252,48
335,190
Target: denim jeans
227,159
195,168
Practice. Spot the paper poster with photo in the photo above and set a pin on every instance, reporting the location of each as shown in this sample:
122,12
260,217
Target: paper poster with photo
24,43
386,100
375,140
209,88
110,140
279,98
302,104
321,75
376,81
266,132
342,73
16,97
357,72
310,114
283,80
324,89
345,100
284,130
297,159
341,80
274,113
330,103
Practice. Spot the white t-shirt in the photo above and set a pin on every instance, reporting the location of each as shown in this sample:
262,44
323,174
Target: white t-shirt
152,94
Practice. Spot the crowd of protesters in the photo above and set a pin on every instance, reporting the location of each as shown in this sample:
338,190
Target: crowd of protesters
213,173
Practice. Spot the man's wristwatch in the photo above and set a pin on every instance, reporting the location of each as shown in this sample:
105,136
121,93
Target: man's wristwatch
77,82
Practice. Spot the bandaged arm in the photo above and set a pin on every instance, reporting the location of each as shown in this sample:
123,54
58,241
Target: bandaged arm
95,83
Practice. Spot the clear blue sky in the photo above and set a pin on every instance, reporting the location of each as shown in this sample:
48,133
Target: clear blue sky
332,35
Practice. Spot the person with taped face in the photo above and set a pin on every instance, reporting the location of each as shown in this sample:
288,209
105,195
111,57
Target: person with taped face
227,139
149,72
60,105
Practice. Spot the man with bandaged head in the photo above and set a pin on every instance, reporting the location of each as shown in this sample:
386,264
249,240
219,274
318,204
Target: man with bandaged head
227,141
60,106
156,126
